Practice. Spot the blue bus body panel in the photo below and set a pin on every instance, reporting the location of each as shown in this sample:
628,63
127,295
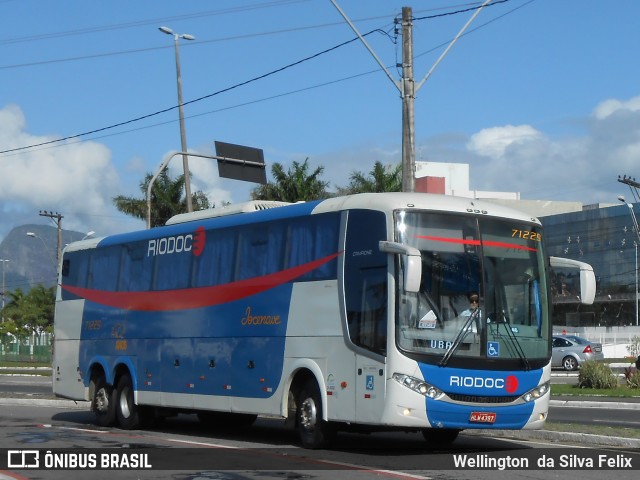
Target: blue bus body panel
235,348
205,313
479,383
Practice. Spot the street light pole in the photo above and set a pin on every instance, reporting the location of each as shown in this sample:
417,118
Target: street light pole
35,235
168,158
183,135
635,225
3,286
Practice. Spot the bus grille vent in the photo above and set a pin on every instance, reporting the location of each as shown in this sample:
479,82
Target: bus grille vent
478,399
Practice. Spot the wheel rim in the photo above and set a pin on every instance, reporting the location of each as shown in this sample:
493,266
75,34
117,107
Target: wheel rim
124,403
569,364
101,401
308,414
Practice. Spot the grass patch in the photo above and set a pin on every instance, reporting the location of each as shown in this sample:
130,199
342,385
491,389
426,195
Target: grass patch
19,365
618,392
592,429
20,368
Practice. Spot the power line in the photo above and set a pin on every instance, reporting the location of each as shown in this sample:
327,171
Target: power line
456,12
246,82
139,23
254,79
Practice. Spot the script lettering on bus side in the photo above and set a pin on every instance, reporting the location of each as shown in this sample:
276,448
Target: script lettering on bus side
249,319
93,325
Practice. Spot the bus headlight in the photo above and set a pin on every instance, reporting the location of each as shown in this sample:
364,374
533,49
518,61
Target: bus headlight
536,393
417,385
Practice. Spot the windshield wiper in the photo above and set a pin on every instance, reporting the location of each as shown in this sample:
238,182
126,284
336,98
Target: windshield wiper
458,340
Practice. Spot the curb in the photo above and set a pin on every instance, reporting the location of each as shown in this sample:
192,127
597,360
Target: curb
45,402
591,404
580,439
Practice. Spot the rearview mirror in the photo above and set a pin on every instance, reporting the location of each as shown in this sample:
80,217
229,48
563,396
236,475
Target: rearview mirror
587,277
411,263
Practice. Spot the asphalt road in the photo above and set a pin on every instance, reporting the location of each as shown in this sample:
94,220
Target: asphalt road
184,449
561,411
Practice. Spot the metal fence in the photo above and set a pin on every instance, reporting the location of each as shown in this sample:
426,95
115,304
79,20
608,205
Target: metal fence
26,348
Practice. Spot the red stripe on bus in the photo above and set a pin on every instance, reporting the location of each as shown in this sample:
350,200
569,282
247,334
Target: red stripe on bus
198,297
486,243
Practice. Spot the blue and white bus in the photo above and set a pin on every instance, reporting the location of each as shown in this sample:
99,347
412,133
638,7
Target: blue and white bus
350,312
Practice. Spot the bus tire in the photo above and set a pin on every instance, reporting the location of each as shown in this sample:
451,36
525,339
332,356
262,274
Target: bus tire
314,432
127,412
103,401
440,436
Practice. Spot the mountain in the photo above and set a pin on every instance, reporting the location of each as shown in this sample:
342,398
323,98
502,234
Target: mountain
31,253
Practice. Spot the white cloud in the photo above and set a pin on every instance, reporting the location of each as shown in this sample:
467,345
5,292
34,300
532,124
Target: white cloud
610,107
583,167
76,179
494,142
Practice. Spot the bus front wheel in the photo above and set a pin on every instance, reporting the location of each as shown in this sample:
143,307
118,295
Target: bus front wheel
126,409
313,430
103,401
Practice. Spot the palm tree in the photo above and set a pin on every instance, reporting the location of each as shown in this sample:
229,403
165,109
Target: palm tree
166,199
31,311
381,179
295,185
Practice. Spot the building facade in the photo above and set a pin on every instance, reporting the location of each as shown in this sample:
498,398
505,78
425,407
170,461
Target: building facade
607,240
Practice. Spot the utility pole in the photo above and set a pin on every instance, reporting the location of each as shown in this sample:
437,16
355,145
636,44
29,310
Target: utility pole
3,285
408,102
407,86
58,219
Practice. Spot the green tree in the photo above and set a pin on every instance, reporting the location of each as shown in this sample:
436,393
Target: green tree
380,179
33,311
166,199
294,185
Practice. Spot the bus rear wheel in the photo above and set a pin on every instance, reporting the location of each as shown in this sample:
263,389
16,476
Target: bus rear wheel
103,401
313,430
126,409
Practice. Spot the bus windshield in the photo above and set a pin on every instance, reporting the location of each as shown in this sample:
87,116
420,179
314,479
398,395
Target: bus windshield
483,291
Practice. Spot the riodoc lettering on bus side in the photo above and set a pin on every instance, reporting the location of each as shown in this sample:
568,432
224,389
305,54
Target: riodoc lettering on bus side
190,242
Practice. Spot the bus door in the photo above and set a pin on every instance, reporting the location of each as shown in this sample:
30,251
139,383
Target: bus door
366,301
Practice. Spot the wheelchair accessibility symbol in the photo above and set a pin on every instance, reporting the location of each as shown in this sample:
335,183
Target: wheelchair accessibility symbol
369,382
493,349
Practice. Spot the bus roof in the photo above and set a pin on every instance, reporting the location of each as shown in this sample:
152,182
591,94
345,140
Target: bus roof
255,212
422,201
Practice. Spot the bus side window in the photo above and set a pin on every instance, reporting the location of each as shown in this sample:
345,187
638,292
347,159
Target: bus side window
104,268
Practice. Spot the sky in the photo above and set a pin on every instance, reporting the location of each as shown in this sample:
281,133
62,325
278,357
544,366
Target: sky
540,97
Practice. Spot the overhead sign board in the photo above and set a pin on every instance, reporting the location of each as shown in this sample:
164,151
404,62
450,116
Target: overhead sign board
241,163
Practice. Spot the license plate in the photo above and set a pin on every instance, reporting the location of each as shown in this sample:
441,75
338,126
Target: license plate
482,417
